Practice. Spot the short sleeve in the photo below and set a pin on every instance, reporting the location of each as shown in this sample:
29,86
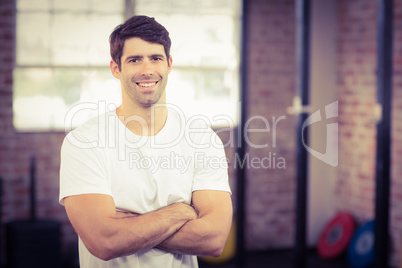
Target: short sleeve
211,165
82,170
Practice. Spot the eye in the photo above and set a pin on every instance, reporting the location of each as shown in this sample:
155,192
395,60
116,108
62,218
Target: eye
134,60
157,59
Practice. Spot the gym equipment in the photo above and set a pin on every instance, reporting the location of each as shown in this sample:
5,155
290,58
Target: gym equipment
360,252
336,236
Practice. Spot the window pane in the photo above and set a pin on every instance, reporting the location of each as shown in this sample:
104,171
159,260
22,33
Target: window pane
89,45
107,6
70,5
212,86
69,46
100,27
43,97
204,84
99,91
33,39
33,5
228,7
201,40
33,99
207,92
102,6
150,7
56,33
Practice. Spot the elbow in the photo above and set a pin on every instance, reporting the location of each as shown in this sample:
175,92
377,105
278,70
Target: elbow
109,248
102,253
102,250
216,252
105,254
216,248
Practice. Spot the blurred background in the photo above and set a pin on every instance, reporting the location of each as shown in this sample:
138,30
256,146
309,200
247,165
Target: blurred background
55,57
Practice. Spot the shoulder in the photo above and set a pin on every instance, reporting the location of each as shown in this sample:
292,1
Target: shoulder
89,134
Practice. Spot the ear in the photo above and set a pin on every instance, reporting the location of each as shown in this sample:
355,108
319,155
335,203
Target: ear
170,64
115,69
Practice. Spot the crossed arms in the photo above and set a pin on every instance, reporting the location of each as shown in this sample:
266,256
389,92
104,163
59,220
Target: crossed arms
178,228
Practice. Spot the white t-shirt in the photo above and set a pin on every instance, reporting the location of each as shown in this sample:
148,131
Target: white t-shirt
142,173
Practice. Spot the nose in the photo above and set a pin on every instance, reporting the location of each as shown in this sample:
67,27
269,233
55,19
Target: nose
146,69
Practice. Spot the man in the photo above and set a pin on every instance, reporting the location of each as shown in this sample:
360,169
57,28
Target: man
140,184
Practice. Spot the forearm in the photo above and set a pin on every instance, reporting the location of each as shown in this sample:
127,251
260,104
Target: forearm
203,237
131,235
112,235
207,234
196,237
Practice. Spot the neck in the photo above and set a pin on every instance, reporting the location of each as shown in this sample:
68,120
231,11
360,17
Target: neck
143,121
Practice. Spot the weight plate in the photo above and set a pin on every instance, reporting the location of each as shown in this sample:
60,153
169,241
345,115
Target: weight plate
334,239
361,248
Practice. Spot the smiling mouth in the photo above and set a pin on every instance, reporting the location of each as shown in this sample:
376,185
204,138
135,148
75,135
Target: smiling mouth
146,84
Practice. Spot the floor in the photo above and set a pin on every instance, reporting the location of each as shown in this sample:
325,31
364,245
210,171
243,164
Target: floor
278,259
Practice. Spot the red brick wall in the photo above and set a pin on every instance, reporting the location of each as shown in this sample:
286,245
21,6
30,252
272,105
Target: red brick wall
396,164
16,148
271,70
357,94
357,63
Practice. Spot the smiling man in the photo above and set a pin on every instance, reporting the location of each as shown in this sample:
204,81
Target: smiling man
146,68
128,214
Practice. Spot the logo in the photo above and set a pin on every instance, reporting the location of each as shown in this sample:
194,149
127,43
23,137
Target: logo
115,135
330,156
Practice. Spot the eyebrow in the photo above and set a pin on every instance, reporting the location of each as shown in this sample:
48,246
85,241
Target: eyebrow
139,57
157,56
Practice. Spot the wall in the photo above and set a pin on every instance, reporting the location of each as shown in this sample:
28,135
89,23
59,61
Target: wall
16,148
357,59
396,156
271,87
357,88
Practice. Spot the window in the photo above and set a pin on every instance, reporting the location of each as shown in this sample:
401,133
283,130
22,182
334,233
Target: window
62,58
205,51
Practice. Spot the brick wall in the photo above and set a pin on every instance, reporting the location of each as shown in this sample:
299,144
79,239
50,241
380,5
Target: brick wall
396,156
16,149
357,60
271,71
357,95
270,192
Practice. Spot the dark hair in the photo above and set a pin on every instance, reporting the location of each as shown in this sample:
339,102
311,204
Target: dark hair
146,28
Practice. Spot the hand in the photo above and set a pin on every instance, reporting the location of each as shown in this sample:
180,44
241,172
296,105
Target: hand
193,212
185,209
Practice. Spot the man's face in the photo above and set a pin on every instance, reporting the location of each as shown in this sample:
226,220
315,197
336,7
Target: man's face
144,72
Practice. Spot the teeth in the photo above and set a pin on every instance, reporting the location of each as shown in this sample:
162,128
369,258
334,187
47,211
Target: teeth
146,84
